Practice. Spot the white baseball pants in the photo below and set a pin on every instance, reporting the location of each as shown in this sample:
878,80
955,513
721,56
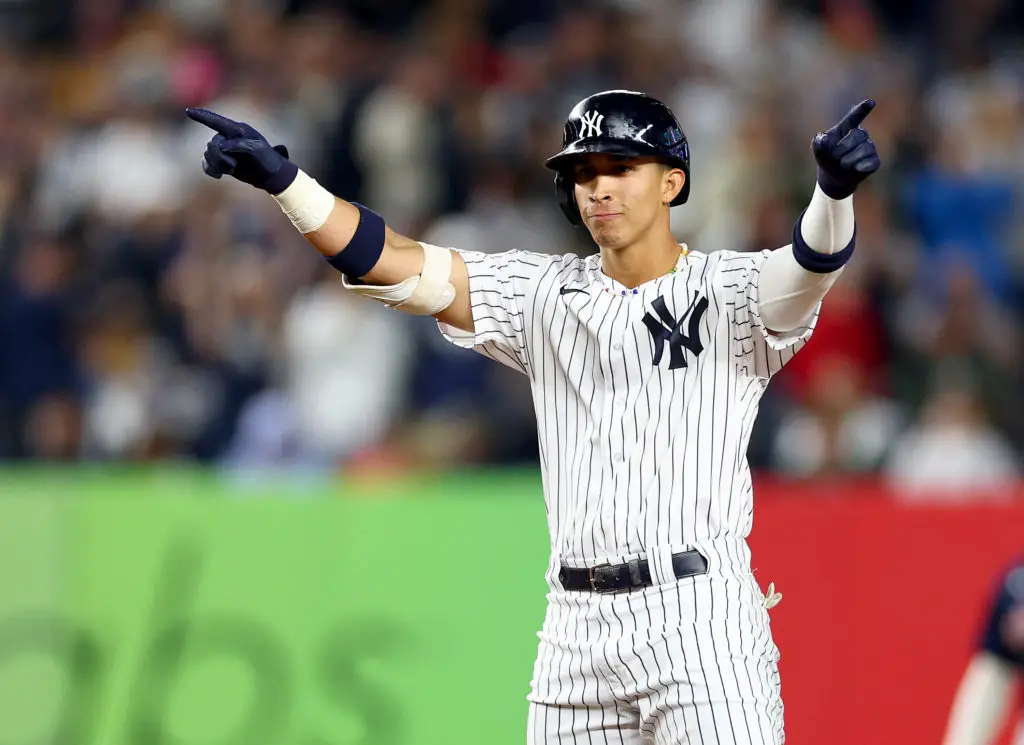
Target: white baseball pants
690,662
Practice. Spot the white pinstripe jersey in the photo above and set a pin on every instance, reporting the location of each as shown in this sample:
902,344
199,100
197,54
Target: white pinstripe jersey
645,399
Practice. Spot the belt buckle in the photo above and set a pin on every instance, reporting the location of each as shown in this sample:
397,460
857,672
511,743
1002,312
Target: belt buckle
593,580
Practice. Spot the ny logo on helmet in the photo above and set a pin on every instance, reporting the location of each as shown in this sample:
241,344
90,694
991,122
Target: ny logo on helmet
592,124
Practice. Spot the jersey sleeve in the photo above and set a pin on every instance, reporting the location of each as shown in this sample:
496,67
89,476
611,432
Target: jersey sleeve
756,352
1003,634
500,287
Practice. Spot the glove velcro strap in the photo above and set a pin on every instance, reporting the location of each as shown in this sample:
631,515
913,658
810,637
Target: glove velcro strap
283,177
835,187
814,261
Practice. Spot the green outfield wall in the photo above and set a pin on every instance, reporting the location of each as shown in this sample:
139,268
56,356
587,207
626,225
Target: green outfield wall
177,609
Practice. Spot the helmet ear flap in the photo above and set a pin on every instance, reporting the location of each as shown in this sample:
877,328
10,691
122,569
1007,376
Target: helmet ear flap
564,189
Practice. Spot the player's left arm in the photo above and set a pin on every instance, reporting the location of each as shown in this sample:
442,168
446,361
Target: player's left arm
794,279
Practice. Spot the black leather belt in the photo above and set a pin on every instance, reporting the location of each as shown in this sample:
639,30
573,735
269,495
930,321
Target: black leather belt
628,576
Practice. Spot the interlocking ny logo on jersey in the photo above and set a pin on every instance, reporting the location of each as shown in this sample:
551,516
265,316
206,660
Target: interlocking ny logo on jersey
592,124
667,329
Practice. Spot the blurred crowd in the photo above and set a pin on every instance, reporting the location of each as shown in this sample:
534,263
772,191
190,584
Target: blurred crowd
150,313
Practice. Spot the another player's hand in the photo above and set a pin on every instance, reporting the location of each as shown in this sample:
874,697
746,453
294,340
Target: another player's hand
845,153
239,150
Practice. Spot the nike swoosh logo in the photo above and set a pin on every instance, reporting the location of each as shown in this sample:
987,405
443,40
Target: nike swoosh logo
567,290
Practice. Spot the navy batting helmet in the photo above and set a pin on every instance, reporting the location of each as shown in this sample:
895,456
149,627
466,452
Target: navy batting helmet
618,123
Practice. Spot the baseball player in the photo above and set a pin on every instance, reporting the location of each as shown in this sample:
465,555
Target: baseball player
985,696
646,361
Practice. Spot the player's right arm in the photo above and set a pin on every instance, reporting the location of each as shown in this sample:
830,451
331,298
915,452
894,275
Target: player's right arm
401,260
376,261
986,692
983,700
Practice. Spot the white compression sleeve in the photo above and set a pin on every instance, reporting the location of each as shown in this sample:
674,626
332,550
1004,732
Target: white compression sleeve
827,225
787,292
981,703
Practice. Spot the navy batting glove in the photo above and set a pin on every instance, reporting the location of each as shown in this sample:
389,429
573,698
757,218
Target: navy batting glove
845,153
238,150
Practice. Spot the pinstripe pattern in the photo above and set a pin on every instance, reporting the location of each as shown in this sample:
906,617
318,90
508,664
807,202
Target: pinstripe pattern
643,460
612,724
693,660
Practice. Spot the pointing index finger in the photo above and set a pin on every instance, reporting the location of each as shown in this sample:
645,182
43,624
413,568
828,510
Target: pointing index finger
220,124
854,118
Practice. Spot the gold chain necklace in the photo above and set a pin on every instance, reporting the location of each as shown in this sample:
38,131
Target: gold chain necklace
683,253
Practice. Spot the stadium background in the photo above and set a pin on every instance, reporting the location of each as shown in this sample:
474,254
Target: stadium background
240,506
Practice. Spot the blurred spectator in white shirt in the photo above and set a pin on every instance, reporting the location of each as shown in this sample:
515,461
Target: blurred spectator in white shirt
397,140
840,429
502,215
952,450
344,369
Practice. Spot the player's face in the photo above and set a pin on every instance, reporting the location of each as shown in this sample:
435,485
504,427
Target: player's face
621,198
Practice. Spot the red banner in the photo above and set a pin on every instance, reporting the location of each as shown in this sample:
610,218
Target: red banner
883,604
